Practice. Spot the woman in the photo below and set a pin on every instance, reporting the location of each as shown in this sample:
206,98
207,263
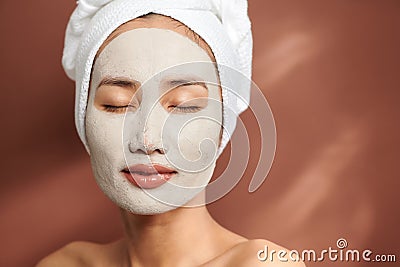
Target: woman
154,114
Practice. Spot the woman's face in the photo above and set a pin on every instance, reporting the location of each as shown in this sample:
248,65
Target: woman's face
153,119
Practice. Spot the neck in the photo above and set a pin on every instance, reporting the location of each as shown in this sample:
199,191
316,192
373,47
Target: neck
181,237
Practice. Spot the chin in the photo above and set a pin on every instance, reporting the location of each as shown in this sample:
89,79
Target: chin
139,201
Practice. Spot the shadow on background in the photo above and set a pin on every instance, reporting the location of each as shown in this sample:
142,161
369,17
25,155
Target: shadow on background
330,73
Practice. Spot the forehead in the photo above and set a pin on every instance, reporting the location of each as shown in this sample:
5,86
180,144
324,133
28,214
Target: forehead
147,53
160,22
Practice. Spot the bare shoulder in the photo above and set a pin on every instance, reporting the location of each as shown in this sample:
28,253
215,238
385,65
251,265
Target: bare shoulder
76,254
257,252
69,255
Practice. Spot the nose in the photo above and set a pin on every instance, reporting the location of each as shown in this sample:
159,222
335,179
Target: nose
145,144
146,136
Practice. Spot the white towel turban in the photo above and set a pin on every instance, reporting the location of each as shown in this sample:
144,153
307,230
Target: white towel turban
223,24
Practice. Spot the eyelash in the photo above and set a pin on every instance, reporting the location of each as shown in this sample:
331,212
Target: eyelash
114,109
188,109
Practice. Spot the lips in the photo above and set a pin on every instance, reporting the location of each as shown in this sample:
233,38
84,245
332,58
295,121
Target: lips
148,176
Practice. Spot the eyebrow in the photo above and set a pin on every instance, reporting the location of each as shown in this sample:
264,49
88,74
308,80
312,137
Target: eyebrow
119,81
184,82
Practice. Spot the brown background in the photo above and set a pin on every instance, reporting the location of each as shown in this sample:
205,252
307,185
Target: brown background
329,70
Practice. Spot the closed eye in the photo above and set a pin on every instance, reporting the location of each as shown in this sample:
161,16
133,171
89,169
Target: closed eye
116,109
184,109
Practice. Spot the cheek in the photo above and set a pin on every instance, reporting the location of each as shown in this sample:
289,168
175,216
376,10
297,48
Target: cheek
104,135
199,139
196,153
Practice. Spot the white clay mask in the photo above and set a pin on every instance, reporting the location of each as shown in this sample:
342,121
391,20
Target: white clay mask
153,120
